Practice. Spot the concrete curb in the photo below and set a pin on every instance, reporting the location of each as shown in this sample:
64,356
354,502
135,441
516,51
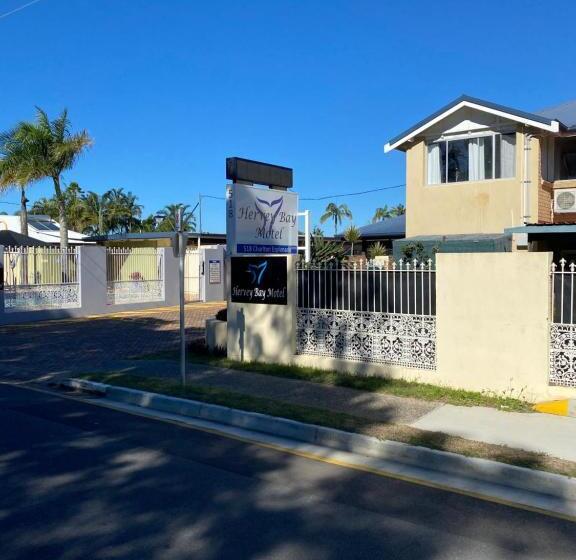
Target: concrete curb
561,407
480,470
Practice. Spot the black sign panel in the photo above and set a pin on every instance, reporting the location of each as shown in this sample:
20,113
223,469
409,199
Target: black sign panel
259,280
240,169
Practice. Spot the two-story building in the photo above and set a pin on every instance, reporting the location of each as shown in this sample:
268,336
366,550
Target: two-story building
481,176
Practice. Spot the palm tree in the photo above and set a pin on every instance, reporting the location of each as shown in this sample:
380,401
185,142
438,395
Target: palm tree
95,207
335,213
122,210
398,210
75,208
148,224
132,212
47,149
46,207
381,214
352,235
15,171
168,215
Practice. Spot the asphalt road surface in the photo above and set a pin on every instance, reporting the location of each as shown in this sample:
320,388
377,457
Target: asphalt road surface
81,481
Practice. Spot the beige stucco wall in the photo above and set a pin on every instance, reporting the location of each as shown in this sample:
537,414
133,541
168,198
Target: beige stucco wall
471,206
493,322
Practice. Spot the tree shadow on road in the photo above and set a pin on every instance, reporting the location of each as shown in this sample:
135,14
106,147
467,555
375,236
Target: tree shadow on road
81,482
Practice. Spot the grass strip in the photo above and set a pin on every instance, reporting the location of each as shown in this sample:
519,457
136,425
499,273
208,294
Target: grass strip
372,384
346,422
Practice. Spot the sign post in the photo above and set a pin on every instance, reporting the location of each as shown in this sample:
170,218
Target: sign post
180,243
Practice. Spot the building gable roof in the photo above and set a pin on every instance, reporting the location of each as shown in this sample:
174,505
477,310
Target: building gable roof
542,121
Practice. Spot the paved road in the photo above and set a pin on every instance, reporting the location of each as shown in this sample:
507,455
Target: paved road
80,481
56,348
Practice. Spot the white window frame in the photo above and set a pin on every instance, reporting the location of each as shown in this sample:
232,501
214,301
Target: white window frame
468,136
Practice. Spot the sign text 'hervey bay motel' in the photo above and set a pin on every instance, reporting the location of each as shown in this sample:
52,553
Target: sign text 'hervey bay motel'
263,222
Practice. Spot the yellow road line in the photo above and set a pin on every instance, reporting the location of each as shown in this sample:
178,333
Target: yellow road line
321,459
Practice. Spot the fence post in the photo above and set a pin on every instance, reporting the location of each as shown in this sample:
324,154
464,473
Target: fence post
92,280
171,278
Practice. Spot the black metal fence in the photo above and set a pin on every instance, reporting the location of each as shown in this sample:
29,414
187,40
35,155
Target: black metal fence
404,287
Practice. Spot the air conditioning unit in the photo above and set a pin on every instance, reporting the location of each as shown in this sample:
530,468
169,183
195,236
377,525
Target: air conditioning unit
565,200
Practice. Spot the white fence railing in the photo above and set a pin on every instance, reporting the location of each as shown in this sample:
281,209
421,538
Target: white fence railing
37,278
134,275
368,312
563,325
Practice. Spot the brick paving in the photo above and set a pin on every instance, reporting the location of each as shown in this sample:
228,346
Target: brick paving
49,349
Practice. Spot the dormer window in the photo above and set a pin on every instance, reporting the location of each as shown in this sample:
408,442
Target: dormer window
473,158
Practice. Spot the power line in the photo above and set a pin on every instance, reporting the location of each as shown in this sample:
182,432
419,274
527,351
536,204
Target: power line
356,193
13,203
331,195
20,8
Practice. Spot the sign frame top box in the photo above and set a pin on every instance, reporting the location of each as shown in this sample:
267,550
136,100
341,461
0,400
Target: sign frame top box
259,173
261,221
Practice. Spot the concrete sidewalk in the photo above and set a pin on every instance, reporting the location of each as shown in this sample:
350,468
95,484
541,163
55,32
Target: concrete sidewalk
553,435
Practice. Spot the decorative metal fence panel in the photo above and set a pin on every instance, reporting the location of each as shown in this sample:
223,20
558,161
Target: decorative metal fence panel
38,278
563,325
134,275
368,313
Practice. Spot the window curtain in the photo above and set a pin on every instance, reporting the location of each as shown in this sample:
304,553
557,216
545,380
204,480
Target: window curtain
434,171
477,158
507,153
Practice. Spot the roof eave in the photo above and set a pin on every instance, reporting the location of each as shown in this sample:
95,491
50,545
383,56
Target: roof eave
529,119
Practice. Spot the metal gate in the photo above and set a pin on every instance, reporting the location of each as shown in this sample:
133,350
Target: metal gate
192,274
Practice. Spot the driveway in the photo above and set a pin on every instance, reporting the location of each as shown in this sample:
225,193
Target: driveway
48,349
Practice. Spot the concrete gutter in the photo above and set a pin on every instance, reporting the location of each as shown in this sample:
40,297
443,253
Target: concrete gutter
541,491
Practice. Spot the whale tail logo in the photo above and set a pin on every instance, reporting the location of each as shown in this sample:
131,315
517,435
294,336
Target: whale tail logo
269,210
256,272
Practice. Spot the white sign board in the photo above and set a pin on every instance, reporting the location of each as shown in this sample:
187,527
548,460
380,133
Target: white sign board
214,271
261,221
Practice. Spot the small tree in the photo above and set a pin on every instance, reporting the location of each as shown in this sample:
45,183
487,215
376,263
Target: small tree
377,249
352,235
415,251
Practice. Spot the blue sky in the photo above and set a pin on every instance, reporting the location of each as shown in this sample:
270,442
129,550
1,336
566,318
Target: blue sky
168,89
